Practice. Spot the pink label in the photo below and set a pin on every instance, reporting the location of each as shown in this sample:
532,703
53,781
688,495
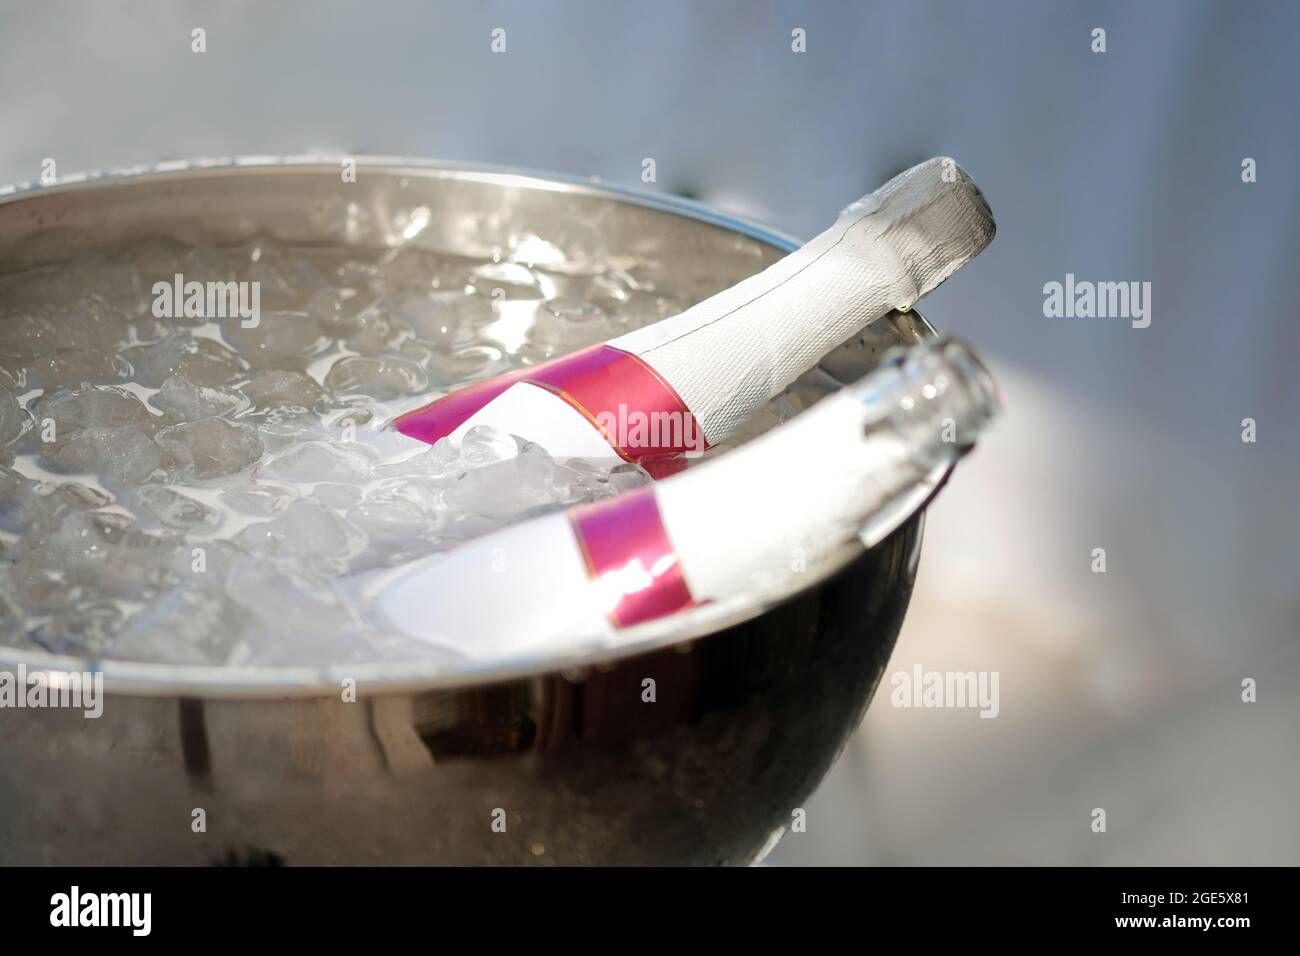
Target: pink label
627,401
632,564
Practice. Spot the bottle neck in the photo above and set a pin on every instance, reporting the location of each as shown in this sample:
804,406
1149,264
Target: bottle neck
934,400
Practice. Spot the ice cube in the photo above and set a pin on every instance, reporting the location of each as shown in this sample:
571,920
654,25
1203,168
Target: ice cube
287,280
579,480
505,488
434,316
118,456
279,339
203,563
74,494
185,625
87,537
27,335
286,426
318,461
338,497
285,599
184,401
155,258
337,308
208,264
95,555
415,268
145,330
212,447
307,528
258,499
423,495
51,502
27,506
99,326
85,629
40,582
438,463
13,374
15,493
377,378
202,361
574,310
396,530
513,279
486,445
269,388
118,284
628,477
70,367
177,510
93,406
14,419
355,414
143,560
374,331
465,363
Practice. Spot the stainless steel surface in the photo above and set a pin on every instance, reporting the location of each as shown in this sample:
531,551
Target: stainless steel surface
751,707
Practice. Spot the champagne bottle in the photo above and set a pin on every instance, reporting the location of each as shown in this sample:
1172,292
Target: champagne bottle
683,384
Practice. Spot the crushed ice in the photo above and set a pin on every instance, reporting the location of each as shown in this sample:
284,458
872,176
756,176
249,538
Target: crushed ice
190,491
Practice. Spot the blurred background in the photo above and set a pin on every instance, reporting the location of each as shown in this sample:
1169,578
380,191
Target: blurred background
1120,690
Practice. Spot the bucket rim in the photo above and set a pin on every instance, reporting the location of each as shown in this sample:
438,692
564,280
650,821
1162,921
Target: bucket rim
500,175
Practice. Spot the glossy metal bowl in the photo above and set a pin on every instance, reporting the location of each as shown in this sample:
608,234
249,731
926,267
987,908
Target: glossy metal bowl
752,704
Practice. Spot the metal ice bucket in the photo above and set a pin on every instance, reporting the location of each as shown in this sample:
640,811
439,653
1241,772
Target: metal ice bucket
556,764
